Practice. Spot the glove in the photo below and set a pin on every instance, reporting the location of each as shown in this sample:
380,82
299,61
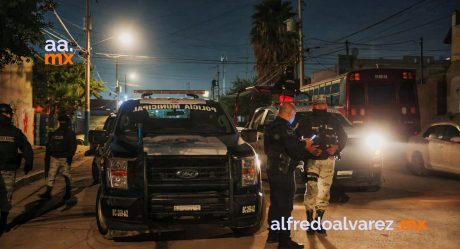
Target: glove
27,168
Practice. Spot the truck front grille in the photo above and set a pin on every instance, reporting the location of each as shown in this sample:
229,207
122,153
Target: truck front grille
188,180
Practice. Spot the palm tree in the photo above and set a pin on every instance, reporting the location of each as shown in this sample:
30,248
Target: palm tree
274,47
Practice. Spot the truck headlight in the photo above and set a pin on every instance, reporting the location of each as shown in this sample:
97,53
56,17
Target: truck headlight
117,173
375,142
249,169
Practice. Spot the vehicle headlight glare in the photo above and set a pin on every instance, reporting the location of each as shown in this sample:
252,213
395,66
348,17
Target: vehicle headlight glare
375,142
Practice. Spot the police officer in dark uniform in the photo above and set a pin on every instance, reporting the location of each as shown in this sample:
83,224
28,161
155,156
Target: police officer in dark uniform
60,149
11,139
329,138
284,151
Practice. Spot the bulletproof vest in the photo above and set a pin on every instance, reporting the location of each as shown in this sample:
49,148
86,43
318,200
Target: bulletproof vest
10,158
59,142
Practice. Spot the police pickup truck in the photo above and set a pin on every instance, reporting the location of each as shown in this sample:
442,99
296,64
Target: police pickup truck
171,161
361,161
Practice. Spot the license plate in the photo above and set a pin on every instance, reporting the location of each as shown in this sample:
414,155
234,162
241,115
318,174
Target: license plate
345,172
182,208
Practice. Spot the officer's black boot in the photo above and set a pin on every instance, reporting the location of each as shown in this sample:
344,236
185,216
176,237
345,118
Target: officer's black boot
310,231
68,192
3,222
285,242
273,237
47,194
319,215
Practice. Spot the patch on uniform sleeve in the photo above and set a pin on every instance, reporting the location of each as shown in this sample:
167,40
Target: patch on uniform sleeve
290,132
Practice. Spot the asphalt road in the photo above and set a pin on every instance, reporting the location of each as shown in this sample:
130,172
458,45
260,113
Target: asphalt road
434,199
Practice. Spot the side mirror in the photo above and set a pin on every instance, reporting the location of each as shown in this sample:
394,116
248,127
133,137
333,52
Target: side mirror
455,140
97,136
249,136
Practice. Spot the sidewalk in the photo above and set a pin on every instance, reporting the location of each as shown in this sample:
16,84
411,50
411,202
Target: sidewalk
39,163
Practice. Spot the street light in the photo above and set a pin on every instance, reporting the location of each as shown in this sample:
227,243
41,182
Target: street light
125,38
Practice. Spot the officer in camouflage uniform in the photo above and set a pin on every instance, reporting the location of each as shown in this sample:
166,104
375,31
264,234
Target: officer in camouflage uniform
11,139
60,149
284,151
329,138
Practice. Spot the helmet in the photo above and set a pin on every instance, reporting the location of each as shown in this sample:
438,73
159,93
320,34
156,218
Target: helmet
5,108
319,99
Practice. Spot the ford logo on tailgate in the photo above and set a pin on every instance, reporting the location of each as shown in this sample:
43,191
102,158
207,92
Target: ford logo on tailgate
187,173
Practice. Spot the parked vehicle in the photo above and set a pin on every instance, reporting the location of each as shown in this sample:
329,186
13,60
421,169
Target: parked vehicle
361,161
436,148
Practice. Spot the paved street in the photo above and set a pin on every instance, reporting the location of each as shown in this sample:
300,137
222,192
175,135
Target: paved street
435,199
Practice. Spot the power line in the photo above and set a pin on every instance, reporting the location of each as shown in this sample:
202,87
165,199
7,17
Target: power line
382,20
408,29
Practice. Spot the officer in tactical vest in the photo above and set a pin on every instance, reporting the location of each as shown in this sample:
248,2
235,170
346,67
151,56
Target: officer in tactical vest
11,139
284,151
60,150
329,138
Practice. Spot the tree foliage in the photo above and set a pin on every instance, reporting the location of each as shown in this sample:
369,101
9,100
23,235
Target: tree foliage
62,88
21,24
273,46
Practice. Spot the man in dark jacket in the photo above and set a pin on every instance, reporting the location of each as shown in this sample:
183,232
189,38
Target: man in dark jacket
11,139
284,151
329,139
60,150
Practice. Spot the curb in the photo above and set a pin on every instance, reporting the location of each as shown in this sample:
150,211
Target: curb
24,180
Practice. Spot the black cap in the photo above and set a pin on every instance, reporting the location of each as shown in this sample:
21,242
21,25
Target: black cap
5,108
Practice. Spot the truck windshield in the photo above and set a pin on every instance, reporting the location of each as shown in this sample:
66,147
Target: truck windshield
172,119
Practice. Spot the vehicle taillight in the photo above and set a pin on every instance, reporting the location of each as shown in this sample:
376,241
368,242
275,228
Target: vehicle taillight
353,112
355,76
413,110
117,174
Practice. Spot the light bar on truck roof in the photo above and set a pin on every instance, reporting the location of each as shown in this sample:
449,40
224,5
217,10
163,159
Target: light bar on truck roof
150,92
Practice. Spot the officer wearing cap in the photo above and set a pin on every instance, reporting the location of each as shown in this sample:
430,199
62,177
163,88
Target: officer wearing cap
329,138
11,139
284,151
60,149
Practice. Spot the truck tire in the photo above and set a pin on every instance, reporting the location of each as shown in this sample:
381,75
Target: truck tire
101,225
95,172
253,229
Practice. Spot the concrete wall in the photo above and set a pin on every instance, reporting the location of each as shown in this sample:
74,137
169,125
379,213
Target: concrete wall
16,90
453,75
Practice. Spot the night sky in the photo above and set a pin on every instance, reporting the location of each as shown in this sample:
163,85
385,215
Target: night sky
185,39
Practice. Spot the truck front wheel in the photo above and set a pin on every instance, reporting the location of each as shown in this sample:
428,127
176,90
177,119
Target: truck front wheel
100,220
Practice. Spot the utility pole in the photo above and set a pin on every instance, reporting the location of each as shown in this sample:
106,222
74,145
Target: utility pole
301,55
126,86
421,61
347,49
218,83
117,83
223,60
88,71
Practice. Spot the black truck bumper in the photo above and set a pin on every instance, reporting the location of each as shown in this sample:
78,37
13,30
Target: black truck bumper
132,213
